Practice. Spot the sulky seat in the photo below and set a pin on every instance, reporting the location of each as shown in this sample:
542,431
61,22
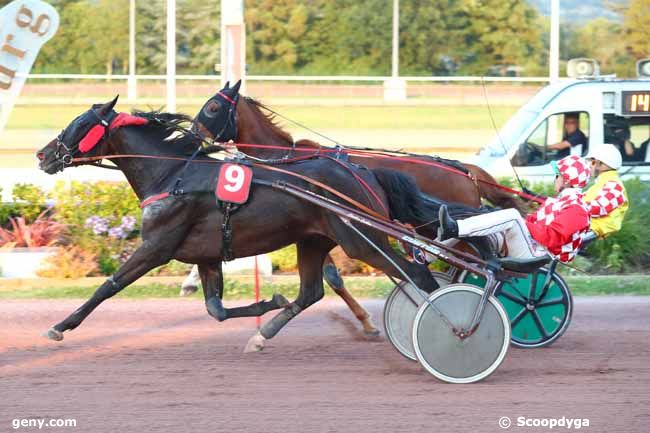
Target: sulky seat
523,266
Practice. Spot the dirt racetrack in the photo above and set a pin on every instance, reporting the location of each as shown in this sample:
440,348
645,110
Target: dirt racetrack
165,366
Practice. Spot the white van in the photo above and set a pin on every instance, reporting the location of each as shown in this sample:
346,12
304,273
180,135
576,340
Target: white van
609,110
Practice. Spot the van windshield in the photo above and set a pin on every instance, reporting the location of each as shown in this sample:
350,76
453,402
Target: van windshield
510,133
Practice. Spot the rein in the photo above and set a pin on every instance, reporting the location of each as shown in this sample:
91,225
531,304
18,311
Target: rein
160,196
409,159
387,153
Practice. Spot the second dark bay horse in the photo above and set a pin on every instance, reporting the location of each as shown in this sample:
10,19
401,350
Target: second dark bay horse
230,116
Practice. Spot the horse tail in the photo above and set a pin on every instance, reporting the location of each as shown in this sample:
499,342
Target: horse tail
406,203
491,193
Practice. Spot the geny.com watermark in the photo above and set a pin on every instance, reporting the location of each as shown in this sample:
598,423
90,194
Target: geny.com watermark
549,423
42,423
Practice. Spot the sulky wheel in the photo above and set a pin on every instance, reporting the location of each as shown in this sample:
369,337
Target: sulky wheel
538,317
400,310
438,338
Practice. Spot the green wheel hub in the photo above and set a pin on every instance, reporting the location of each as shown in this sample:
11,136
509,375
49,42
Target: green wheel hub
537,318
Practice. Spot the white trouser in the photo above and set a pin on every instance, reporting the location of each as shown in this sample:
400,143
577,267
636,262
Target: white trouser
518,241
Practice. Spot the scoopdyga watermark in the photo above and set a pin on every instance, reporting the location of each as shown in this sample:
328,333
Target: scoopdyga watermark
549,423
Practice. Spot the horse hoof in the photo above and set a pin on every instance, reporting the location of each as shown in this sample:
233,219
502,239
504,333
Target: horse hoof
255,344
188,290
370,329
374,332
53,334
280,300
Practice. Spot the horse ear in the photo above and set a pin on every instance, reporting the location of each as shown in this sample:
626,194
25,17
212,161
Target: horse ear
107,107
227,85
236,87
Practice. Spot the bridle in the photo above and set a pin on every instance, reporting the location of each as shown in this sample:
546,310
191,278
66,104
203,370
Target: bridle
231,119
65,154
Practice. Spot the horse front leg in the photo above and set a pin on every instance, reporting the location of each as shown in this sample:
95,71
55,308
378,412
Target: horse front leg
311,254
212,279
144,259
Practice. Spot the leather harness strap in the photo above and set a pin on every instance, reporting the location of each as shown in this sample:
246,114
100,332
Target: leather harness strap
153,198
160,196
326,188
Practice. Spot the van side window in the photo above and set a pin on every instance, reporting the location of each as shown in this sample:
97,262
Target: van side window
559,135
630,135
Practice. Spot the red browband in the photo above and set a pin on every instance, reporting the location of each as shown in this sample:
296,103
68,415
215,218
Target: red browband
226,97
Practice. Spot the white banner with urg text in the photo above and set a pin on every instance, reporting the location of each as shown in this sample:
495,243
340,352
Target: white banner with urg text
25,25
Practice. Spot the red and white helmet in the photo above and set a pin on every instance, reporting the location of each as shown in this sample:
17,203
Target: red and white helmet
574,170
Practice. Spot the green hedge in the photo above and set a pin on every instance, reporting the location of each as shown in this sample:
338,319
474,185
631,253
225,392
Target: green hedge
29,202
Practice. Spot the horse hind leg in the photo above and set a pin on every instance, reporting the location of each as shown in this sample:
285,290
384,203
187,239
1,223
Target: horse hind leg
334,280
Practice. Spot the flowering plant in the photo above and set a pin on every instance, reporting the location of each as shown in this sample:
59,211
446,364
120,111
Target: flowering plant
101,226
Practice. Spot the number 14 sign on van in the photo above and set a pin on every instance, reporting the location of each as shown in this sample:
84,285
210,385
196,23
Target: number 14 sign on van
234,183
25,25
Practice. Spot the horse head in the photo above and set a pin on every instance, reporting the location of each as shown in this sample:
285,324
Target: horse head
217,119
84,135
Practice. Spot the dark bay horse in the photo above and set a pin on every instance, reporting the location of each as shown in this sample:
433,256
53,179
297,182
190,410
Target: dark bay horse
229,116
181,219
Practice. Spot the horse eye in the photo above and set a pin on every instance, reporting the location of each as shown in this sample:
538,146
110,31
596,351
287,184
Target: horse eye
211,109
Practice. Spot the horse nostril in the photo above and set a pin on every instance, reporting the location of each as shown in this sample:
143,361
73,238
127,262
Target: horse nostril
40,156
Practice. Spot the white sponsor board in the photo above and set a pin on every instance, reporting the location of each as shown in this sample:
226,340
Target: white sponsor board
25,25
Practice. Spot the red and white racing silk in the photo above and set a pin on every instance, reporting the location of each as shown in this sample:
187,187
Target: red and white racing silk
560,224
610,197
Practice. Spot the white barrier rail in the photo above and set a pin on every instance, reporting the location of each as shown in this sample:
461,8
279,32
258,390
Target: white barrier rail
305,78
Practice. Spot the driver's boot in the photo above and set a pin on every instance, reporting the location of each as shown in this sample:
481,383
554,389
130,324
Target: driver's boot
448,228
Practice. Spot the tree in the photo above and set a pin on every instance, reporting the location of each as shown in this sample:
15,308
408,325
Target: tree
85,44
198,38
151,24
600,39
636,22
500,32
274,29
431,32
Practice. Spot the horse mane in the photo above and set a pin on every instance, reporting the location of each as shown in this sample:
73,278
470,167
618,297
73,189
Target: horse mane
170,128
268,118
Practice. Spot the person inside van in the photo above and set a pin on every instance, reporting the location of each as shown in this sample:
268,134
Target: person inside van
618,133
574,141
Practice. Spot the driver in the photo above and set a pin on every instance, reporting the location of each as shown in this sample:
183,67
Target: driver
606,198
572,138
558,226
